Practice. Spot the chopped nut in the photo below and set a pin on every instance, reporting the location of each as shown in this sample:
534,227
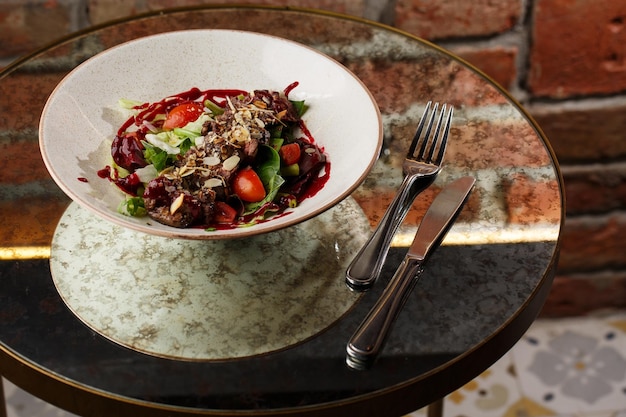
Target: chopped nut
240,134
260,104
169,173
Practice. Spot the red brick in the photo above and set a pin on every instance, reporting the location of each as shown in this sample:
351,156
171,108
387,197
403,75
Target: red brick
351,7
504,144
456,18
595,189
499,63
105,10
581,134
580,295
375,202
26,26
530,201
591,243
298,27
396,85
23,98
578,48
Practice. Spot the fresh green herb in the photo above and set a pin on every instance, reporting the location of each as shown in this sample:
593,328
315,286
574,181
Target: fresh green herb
276,143
215,109
185,146
132,206
276,131
268,170
292,170
299,106
156,156
160,158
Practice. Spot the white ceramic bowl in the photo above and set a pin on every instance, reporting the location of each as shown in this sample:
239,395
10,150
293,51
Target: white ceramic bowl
82,116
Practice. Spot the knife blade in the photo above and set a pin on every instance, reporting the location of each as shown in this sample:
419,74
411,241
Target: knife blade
369,338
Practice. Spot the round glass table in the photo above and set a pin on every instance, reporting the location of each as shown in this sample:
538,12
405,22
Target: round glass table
88,325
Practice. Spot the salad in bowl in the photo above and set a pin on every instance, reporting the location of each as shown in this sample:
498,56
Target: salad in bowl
209,134
215,159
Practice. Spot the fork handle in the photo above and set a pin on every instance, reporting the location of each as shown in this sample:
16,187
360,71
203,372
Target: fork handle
365,268
368,339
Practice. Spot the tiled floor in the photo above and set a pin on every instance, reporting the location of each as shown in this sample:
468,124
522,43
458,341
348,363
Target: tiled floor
561,368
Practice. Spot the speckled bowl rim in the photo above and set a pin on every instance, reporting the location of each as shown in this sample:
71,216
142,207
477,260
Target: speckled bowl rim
57,159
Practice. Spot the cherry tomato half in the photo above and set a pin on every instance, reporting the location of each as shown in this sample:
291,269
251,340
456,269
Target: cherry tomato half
182,114
224,213
248,186
290,153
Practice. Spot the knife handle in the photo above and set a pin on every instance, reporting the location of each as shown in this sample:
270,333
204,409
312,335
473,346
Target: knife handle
365,268
370,336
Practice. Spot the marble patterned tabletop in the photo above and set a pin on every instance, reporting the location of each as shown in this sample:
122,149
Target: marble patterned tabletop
207,300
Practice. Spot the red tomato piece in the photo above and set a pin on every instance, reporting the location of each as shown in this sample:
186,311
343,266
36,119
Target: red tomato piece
182,114
248,186
224,213
290,153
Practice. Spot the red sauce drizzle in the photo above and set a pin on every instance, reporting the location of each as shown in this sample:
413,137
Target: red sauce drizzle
316,184
307,133
129,184
290,87
148,111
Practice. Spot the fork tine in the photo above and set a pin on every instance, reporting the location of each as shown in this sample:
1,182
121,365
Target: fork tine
427,155
427,136
418,132
444,134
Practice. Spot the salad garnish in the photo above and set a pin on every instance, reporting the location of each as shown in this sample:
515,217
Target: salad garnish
215,158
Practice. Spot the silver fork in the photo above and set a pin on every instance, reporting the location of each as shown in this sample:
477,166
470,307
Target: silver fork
420,167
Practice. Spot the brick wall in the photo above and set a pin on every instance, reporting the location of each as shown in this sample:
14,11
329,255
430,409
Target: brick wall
564,60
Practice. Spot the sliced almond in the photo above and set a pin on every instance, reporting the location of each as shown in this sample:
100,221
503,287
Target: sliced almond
231,163
169,173
177,203
211,161
230,104
199,141
213,182
185,170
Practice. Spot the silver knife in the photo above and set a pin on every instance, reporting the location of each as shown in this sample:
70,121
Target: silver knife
367,341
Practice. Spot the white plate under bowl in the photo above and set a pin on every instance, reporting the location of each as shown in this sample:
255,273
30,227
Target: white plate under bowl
82,116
